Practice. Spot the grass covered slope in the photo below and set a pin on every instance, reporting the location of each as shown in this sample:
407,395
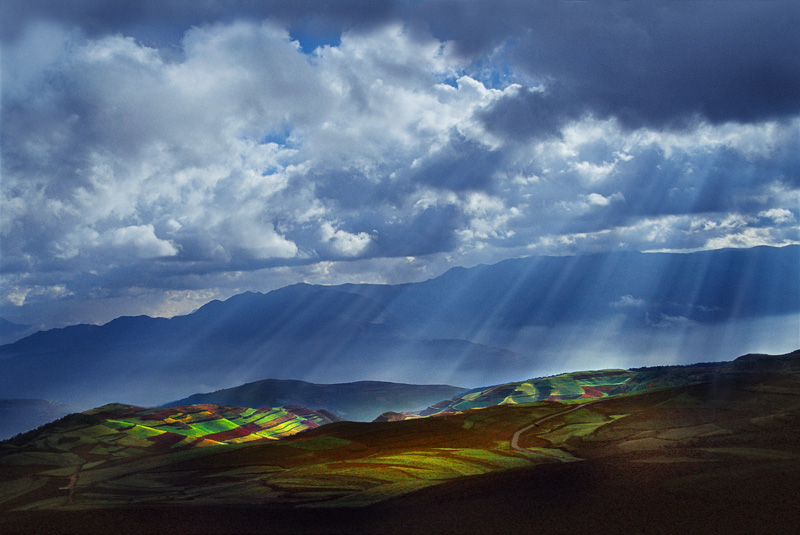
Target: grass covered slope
716,456
708,458
116,439
603,383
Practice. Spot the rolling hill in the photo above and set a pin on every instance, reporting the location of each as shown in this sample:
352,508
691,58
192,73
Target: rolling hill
602,383
715,456
359,401
284,334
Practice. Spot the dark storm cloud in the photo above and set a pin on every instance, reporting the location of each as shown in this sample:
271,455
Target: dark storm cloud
646,63
158,22
462,165
530,114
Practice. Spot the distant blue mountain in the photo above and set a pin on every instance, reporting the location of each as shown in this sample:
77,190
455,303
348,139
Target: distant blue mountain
359,401
478,326
20,415
11,332
705,287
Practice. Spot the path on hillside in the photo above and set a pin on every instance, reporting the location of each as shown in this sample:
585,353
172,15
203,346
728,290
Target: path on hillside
71,485
515,439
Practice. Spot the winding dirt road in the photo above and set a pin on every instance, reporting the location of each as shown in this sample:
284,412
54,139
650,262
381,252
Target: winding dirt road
515,439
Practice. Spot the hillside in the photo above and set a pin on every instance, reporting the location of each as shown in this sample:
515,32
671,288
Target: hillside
603,383
298,331
730,444
11,332
358,401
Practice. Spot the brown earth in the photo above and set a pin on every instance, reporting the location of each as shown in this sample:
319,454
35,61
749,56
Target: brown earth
715,458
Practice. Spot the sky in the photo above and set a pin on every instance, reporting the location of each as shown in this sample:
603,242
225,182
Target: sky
157,155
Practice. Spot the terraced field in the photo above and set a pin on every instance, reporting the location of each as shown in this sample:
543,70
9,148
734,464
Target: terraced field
598,384
721,454
564,387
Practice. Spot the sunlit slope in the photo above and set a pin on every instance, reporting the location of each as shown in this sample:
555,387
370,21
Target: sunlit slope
132,459
603,383
360,401
567,386
118,431
700,439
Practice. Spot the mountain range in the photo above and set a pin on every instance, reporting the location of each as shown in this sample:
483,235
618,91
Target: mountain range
471,326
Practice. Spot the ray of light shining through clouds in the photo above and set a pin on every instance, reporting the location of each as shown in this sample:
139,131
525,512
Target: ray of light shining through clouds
476,191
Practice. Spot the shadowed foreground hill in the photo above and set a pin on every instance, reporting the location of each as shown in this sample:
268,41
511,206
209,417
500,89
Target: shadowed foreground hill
716,457
359,401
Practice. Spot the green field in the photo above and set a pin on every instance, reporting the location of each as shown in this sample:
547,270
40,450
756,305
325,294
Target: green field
680,440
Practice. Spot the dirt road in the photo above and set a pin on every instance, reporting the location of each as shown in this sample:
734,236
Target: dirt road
515,439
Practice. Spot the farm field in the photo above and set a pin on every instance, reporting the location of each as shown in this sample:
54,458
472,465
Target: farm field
735,441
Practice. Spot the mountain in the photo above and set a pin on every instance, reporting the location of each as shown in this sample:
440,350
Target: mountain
719,456
477,326
498,304
358,401
11,332
18,415
298,331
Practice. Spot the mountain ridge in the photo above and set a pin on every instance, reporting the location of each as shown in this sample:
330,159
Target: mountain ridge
470,326
358,400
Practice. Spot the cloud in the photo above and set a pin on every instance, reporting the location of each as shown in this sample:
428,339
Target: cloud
648,65
666,321
778,215
345,243
628,301
208,149
139,241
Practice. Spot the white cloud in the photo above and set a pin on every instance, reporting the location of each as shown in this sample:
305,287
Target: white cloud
138,241
778,215
237,148
19,296
345,243
597,200
594,172
628,301
750,237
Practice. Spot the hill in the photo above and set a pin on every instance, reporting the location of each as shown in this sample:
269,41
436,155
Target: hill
359,401
718,456
603,383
